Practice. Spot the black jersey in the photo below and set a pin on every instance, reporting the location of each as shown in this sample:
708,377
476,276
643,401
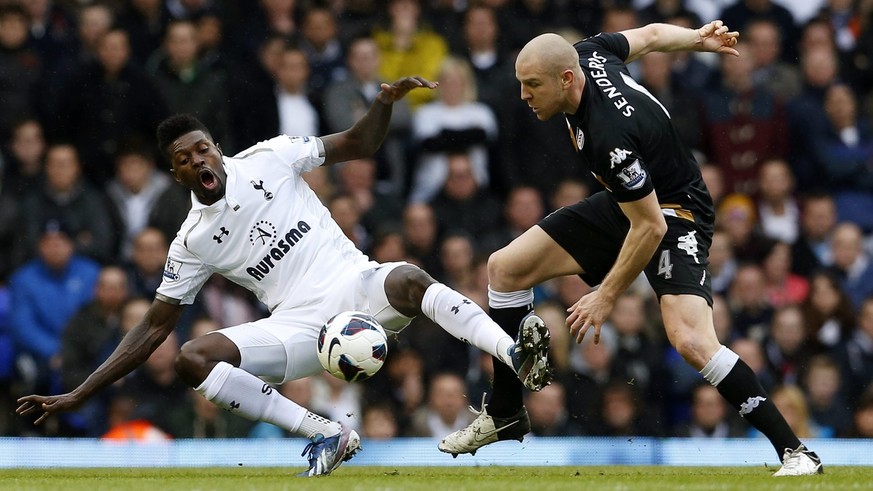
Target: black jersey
624,135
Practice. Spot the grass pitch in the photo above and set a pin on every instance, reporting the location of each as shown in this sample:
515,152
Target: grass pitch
352,478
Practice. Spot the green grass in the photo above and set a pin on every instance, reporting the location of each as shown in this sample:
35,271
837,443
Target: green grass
352,478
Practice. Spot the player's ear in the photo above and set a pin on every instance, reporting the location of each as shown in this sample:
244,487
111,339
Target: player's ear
175,176
218,146
567,78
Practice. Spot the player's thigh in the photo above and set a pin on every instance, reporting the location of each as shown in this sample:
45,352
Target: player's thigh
374,300
278,348
530,259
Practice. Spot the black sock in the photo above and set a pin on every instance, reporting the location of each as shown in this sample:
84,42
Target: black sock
742,389
506,394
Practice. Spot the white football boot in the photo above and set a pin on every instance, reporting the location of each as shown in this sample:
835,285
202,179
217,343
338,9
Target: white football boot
486,429
799,462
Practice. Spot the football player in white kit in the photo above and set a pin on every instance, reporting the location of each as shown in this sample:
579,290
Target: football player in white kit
255,221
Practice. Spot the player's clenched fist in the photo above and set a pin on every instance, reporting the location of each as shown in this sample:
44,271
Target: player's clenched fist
717,38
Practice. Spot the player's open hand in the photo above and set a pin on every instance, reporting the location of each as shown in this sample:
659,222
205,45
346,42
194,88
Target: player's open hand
715,37
48,404
590,311
394,92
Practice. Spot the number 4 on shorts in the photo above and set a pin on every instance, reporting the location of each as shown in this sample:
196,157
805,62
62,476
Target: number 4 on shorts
665,267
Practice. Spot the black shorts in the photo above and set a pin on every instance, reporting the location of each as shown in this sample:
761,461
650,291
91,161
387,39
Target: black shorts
593,232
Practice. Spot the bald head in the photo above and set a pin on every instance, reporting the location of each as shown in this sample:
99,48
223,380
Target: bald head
551,52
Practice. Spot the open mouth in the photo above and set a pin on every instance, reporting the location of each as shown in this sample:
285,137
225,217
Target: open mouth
208,179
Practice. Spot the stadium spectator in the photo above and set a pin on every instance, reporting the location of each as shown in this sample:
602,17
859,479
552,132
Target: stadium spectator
737,217
752,352
523,208
255,117
454,123
787,346
782,286
298,114
751,311
656,75
741,13
320,43
378,422
862,417
812,249
827,406
855,356
722,262
828,311
713,177
46,292
344,210
422,236
91,334
481,47
407,47
792,403
144,21
146,265
547,410
623,412
778,210
20,67
273,19
347,100
23,157
196,417
400,382
337,399
843,156
743,123
52,30
852,265
107,102
462,203
709,416
94,21
66,195
357,178
134,192
446,408
592,368
568,191
456,259
780,77
388,244
638,359
807,119
190,86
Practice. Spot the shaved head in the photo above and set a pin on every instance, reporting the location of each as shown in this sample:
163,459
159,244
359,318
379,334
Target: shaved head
550,75
552,53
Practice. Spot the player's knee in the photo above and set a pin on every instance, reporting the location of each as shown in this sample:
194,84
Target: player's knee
691,350
192,363
406,289
502,274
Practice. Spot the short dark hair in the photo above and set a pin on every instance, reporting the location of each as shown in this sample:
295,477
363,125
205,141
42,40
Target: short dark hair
175,126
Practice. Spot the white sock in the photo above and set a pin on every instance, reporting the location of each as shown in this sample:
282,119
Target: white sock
718,367
465,320
248,396
509,300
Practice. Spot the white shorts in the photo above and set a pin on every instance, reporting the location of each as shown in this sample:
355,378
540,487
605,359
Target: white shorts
282,347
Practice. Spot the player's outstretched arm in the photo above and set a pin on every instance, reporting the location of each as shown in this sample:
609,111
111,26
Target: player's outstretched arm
712,37
131,352
366,135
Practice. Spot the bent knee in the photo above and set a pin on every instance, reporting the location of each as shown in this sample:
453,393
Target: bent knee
405,288
506,273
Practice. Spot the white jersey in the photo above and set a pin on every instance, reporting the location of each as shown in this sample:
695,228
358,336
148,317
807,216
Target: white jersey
269,234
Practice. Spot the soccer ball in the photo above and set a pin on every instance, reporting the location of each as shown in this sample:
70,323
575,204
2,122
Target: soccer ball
352,346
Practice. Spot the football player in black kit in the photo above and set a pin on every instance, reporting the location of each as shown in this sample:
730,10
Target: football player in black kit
655,216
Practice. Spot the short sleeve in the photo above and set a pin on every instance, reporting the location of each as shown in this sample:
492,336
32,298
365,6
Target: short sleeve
301,153
184,275
614,42
627,176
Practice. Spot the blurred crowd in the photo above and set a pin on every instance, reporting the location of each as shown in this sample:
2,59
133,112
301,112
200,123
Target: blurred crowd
88,207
